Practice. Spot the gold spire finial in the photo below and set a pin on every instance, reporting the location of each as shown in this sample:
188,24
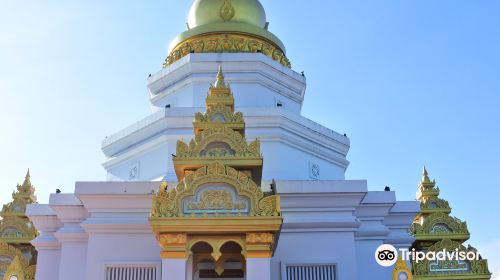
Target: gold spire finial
220,83
425,176
27,179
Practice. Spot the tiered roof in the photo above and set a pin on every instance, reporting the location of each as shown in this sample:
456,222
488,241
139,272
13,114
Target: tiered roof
435,229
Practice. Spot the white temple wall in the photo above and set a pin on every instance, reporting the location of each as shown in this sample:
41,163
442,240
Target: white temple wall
258,269
47,245
275,153
112,249
367,267
146,164
73,259
284,162
246,95
316,248
256,80
48,264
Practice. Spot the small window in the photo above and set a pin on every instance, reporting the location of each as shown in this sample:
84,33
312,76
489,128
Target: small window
310,272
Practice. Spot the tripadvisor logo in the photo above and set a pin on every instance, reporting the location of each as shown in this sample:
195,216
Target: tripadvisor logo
387,255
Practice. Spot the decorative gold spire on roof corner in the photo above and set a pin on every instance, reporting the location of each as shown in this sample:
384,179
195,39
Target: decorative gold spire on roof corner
425,176
435,230
220,82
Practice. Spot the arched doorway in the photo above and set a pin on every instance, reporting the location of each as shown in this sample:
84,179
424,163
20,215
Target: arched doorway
217,261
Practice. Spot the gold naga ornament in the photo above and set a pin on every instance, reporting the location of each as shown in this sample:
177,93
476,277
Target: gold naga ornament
17,255
217,200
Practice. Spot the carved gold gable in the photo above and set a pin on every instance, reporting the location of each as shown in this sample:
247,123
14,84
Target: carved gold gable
229,188
219,136
218,198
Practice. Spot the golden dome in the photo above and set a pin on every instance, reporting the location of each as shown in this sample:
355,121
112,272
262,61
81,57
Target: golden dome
211,11
227,26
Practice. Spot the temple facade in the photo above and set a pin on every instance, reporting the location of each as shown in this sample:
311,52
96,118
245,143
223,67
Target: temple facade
225,179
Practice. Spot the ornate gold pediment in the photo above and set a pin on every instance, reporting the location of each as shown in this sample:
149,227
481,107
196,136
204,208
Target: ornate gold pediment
16,229
439,224
230,144
170,203
219,114
453,269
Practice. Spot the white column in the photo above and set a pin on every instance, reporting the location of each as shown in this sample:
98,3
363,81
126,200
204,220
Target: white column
174,269
47,245
72,236
258,269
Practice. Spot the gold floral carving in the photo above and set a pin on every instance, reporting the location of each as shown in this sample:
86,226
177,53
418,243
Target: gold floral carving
227,43
173,245
216,200
226,11
170,239
259,238
259,244
169,204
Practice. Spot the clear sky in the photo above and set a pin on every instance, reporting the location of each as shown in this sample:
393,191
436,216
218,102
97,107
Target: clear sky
410,82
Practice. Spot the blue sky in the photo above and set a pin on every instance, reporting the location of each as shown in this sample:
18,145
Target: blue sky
410,82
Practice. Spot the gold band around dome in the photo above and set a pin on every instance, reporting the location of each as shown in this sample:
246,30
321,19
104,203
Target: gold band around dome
227,43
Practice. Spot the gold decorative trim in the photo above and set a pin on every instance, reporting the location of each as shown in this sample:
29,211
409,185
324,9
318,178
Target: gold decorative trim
174,255
227,43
